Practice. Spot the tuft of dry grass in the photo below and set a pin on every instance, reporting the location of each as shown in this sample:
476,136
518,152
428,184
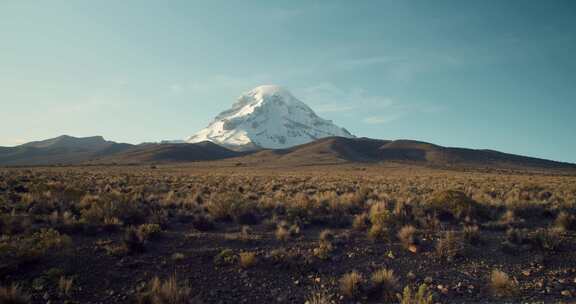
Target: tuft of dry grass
361,222
326,235
449,246
378,232
133,241
501,284
350,284
384,281
407,236
565,221
379,214
247,259
472,235
282,233
65,285
166,292
178,256
149,231
319,297
13,295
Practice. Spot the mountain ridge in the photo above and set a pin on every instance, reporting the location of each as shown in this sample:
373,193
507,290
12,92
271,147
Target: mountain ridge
68,150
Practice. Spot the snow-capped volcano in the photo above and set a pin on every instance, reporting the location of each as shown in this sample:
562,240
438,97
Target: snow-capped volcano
268,116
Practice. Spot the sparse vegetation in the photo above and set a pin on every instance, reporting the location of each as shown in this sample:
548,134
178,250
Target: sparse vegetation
58,225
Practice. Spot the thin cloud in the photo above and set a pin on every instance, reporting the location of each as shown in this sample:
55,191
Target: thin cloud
356,63
331,108
377,120
327,97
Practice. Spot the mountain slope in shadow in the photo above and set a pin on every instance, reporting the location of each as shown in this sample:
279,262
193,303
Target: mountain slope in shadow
336,150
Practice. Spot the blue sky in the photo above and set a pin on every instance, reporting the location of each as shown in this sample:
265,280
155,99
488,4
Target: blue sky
480,74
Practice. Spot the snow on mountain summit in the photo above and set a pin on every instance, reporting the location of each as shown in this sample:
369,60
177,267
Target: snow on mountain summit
268,116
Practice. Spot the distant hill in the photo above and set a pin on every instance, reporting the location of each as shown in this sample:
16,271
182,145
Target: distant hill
68,150
331,150
335,150
60,150
163,153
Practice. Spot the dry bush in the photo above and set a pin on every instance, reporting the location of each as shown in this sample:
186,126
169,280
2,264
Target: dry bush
32,248
282,233
13,295
361,222
421,296
319,297
325,246
501,284
245,233
178,256
225,257
279,256
549,239
378,232
149,231
455,204
403,211
230,206
285,231
565,221
133,241
516,236
247,259
472,235
324,250
385,282
380,215
350,284
450,246
65,285
202,222
166,292
408,237
326,235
